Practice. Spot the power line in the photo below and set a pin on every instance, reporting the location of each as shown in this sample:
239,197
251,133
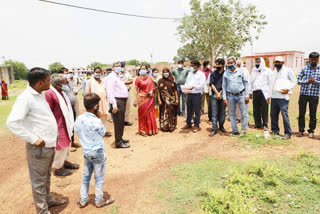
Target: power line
111,12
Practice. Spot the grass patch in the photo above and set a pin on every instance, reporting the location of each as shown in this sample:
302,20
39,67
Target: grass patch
256,139
285,185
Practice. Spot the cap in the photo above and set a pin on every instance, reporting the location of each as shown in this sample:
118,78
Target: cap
279,58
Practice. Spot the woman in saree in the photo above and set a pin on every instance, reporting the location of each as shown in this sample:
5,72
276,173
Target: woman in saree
4,90
155,78
168,101
144,99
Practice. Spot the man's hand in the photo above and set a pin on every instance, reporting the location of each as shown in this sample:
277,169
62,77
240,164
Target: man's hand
135,104
159,103
114,110
246,100
39,143
250,96
218,96
225,102
285,91
268,100
311,80
177,102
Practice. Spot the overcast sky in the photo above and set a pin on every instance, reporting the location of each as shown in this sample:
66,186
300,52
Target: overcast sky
38,33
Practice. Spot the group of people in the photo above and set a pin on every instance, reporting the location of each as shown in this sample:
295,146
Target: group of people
47,121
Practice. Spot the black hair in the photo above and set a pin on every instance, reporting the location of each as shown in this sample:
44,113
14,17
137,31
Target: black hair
62,70
90,100
220,61
180,62
109,69
148,66
88,73
196,63
205,63
314,55
37,74
154,69
94,70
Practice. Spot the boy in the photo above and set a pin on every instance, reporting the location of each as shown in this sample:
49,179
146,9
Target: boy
91,131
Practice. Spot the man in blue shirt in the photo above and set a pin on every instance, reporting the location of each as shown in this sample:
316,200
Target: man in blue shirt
235,90
309,79
91,131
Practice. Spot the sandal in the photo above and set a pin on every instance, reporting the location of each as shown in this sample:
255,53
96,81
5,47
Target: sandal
105,203
311,135
107,134
81,205
71,166
62,172
299,134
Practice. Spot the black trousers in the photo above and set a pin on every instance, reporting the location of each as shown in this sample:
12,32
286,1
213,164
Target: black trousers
313,104
260,109
74,117
193,106
118,119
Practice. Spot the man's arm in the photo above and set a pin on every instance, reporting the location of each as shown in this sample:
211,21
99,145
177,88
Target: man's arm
245,79
292,79
109,84
224,87
301,80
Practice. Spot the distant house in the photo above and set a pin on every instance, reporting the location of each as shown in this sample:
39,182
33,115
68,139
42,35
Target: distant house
6,74
293,59
80,71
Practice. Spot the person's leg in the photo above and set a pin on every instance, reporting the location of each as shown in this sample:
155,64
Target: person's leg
128,107
189,109
203,97
180,95
221,113
215,111
313,105
99,172
59,158
284,104
264,111
232,113
117,117
104,119
302,112
209,106
39,161
197,109
274,114
183,110
244,113
256,102
49,199
238,113
86,177
122,111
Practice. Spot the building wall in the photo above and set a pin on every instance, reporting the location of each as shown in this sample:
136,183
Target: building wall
6,74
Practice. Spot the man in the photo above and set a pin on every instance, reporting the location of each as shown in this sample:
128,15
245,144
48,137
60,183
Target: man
282,84
117,93
235,87
73,83
31,119
109,70
260,82
180,75
61,108
205,96
84,84
126,77
217,105
195,81
309,79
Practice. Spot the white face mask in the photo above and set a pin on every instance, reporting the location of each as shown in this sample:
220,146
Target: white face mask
180,66
208,66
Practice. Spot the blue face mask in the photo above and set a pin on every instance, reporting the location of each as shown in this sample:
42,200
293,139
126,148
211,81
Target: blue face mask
230,67
278,66
64,87
143,72
117,70
155,74
165,75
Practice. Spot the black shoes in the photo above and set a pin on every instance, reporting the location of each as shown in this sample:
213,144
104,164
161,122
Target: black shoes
125,141
127,123
122,145
214,132
222,129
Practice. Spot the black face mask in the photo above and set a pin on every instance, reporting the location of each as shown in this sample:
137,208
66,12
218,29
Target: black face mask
218,68
314,64
96,110
278,66
257,65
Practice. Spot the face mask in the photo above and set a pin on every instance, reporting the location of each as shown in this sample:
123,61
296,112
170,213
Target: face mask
96,110
89,77
71,75
314,64
278,66
108,73
117,70
180,66
218,68
230,67
257,65
97,76
64,87
122,70
155,74
143,72
208,66
165,75
149,70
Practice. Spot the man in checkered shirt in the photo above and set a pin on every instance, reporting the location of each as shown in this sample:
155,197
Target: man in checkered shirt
309,79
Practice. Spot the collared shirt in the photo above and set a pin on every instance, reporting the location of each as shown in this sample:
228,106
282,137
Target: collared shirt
74,85
31,118
216,80
70,94
197,80
261,80
180,75
91,131
235,82
115,88
126,77
286,74
309,89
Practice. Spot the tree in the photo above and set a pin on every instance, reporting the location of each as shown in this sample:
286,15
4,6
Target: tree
55,67
219,27
133,62
189,52
98,64
20,70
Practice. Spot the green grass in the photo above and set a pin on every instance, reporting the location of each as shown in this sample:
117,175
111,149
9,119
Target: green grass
284,185
256,139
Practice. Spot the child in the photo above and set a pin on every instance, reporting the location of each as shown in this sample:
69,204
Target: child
91,131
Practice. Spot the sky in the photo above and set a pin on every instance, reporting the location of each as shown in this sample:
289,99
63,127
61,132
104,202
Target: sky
39,33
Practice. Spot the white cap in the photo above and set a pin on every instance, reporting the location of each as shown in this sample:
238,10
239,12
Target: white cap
279,58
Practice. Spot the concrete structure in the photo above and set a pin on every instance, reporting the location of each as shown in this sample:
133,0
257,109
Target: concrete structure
6,74
78,71
293,59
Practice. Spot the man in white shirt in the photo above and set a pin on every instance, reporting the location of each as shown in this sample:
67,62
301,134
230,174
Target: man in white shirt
196,81
260,87
126,77
31,119
282,83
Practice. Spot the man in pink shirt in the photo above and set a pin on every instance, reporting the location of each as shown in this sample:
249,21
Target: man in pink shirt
62,110
117,94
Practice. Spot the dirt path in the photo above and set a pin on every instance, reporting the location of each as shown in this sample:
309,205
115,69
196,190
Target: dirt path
130,173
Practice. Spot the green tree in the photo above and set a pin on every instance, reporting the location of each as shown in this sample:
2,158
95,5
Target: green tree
55,67
98,64
133,62
20,70
218,27
189,52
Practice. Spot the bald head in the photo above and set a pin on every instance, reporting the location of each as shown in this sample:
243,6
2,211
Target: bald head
238,63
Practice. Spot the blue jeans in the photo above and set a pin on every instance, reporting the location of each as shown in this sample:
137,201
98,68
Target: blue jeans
218,112
194,106
233,100
183,97
93,163
277,106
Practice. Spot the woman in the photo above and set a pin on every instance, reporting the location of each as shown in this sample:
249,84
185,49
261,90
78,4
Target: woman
168,101
96,85
155,78
4,90
144,99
